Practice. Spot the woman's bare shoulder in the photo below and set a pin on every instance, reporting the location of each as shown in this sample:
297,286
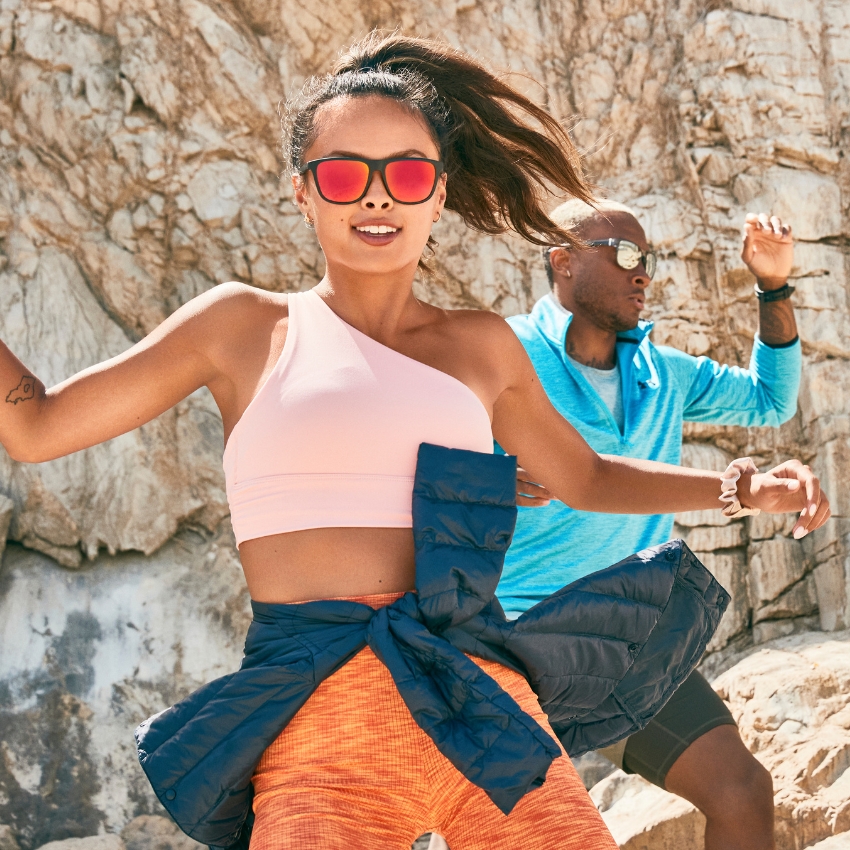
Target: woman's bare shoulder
483,327
233,299
226,311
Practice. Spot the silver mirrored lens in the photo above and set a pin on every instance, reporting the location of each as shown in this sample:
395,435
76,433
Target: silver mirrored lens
628,255
650,264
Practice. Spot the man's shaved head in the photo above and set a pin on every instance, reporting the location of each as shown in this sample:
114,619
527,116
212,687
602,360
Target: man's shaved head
574,214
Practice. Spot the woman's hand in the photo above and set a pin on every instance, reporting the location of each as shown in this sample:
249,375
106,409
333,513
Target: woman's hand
528,493
787,488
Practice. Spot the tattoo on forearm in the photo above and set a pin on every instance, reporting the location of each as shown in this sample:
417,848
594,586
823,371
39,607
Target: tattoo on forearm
23,392
776,322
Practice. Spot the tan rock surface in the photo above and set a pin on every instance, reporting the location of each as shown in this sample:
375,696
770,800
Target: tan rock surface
644,817
791,699
97,651
151,832
94,842
7,839
138,168
834,842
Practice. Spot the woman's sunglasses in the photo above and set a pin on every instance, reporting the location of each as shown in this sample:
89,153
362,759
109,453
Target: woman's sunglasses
629,254
346,179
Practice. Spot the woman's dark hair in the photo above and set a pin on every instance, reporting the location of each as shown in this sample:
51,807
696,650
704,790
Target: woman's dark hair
503,154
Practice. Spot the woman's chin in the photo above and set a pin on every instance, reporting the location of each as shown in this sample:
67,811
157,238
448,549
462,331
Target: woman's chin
381,261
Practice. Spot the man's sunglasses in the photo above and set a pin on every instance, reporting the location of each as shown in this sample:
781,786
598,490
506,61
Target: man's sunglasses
629,254
346,179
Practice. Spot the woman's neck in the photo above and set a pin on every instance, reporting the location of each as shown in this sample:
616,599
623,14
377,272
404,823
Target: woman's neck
379,305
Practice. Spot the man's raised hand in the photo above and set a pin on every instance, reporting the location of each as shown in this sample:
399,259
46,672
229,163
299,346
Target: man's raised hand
768,249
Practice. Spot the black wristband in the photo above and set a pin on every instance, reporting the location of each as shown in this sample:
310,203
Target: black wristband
776,346
766,296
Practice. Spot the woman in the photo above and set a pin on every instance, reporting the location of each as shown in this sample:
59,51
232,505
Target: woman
326,397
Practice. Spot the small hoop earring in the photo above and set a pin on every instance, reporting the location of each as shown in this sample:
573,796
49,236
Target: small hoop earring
439,216
308,222
569,274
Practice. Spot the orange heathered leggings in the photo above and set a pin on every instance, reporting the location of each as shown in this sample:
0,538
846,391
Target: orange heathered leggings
352,769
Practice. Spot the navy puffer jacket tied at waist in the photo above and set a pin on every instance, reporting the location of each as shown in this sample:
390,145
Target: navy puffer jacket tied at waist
603,655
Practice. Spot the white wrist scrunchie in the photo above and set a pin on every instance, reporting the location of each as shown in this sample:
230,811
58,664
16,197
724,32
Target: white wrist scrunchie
729,488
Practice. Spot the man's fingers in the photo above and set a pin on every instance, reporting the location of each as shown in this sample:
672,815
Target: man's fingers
529,494
766,224
531,501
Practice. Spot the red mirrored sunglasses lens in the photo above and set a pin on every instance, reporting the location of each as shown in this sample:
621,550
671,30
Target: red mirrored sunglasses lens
410,181
342,181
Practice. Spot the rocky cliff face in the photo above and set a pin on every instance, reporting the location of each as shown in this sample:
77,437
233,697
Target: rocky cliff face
138,168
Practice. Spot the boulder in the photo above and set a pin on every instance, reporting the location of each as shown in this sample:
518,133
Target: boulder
152,832
791,698
94,842
644,817
834,842
7,838
139,167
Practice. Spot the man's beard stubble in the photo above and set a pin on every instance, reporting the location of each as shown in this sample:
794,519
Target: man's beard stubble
605,319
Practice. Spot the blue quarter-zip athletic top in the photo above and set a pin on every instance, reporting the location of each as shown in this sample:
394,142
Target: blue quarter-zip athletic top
602,655
662,387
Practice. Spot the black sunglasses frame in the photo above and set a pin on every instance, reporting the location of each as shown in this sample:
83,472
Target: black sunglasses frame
378,165
643,257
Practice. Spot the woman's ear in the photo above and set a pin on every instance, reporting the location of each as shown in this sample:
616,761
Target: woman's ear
559,259
299,192
440,193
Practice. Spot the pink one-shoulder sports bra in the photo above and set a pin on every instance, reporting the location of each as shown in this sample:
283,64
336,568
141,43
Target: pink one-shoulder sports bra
331,437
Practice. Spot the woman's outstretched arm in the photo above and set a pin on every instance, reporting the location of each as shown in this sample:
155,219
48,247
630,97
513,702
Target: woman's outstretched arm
111,398
526,424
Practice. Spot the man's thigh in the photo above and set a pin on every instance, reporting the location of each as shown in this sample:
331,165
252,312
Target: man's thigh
693,710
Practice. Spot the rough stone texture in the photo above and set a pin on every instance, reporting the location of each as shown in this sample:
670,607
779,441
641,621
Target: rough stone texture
791,699
7,838
97,650
151,832
94,842
138,169
834,842
644,817
593,768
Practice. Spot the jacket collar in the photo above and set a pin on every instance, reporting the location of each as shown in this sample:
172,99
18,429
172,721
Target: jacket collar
553,321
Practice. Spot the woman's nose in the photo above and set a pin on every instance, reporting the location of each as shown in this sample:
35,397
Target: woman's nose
376,198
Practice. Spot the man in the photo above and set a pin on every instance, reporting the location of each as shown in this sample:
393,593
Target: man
628,397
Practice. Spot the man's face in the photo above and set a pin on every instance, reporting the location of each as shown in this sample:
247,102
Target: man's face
597,289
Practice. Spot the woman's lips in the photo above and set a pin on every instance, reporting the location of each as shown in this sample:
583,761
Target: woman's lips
377,239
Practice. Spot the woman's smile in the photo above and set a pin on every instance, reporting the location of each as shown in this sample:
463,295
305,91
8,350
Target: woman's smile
378,232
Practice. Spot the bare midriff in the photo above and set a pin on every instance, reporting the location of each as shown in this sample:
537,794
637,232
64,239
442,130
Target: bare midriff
328,563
